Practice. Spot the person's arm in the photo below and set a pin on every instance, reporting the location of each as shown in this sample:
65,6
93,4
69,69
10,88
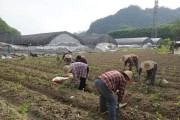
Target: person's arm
125,64
120,95
140,70
121,91
136,64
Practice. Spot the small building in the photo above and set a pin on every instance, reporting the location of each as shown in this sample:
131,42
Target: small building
134,42
53,38
50,42
5,47
176,47
93,40
156,41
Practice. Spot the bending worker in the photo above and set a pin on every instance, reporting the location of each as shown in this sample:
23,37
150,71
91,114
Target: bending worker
107,84
150,67
80,71
130,60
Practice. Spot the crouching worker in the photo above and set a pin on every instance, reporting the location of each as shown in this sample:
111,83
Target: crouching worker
130,61
150,67
80,71
107,84
68,59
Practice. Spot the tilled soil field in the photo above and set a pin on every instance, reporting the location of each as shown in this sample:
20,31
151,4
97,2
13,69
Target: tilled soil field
27,93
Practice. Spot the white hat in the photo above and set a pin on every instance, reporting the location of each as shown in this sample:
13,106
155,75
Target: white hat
129,74
147,65
68,56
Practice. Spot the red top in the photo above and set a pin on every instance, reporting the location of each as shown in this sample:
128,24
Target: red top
114,80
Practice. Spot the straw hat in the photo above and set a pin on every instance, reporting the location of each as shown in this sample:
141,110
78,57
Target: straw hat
68,56
129,74
66,68
147,65
124,57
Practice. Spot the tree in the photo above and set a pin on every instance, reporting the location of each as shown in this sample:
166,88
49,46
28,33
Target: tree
176,30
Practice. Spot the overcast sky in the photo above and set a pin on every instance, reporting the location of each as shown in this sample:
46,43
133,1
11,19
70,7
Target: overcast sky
41,16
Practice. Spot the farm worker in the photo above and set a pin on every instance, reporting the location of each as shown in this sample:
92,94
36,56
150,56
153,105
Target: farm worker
80,71
130,60
107,84
81,59
150,67
68,59
65,53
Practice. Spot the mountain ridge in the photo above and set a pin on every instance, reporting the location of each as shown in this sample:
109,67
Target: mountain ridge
132,16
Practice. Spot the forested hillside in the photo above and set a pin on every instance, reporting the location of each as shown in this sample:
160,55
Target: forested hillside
7,33
164,31
133,16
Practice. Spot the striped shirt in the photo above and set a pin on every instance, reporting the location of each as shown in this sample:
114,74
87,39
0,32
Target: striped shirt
79,69
114,80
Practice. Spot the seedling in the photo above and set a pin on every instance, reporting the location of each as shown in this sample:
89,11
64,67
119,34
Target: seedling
18,85
158,116
174,71
163,71
22,57
57,58
155,96
156,105
178,98
27,94
20,75
11,115
24,108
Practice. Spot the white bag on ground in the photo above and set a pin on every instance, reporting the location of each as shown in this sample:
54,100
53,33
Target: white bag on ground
59,80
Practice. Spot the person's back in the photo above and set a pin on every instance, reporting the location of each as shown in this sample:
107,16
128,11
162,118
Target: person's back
79,69
81,59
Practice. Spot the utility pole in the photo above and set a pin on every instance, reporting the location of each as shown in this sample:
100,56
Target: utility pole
155,20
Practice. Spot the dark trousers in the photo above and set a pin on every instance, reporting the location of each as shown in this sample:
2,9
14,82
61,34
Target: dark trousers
82,84
151,74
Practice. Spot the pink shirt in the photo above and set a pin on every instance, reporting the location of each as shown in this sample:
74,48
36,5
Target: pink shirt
79,69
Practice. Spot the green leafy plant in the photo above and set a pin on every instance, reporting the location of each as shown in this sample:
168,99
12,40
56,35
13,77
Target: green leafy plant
27,94
174,71
164,46
11,115
24,108
18,85
20,75
145,87
156,105
64,84
158,116
61,74
155,96
178,99
58,58
163,71
22,57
